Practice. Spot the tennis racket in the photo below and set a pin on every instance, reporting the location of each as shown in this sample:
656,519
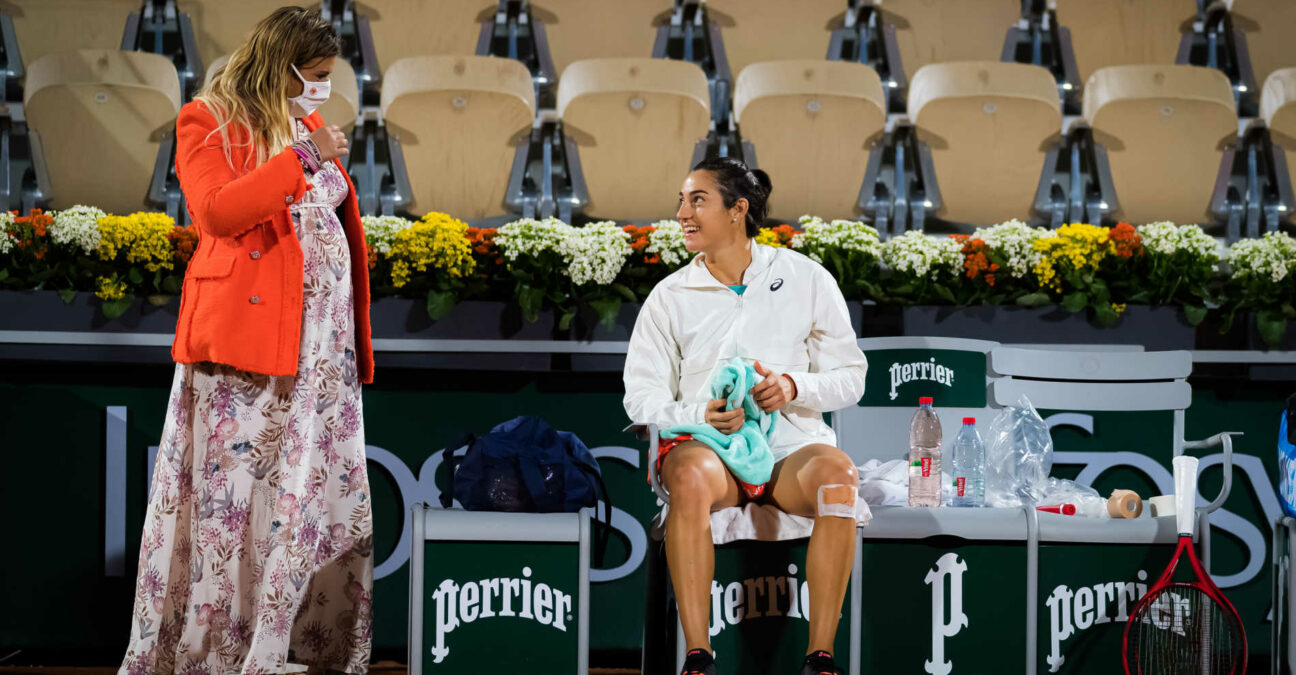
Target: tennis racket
1184,627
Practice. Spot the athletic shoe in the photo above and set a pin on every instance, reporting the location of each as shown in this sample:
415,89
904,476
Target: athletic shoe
820,663
698,662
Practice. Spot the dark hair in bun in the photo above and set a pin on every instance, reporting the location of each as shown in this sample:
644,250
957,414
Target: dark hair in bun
735,182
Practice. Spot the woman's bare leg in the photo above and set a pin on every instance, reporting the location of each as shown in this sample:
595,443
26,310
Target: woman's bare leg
794,488
698,483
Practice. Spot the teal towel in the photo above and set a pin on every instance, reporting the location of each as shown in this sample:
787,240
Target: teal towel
747,452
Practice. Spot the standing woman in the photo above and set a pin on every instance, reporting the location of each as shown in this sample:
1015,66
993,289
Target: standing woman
782,313
257,549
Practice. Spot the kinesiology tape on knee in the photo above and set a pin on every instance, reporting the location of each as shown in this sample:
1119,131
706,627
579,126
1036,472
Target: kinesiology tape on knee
837,500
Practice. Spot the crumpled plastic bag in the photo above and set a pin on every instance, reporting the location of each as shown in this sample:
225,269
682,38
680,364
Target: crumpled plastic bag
1019,456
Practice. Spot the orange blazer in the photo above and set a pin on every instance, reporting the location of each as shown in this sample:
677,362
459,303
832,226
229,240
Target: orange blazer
242,299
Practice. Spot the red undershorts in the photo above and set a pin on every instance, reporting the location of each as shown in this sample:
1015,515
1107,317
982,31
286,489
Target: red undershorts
665,445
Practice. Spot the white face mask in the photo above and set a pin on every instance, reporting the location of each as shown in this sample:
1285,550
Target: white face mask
313,95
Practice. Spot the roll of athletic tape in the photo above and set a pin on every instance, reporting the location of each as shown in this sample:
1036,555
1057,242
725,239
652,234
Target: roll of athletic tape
1124,504
1162,506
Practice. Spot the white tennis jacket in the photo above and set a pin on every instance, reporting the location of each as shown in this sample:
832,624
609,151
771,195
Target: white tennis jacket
792,318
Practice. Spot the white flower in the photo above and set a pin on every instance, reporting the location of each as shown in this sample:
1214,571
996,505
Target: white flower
594,253
1166,238
381,230
667,241
7,240
78,226
530,237
847,235
1273,256
918,254
1015,240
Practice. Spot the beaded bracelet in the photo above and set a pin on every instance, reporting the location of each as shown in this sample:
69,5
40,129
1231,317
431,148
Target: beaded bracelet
309,156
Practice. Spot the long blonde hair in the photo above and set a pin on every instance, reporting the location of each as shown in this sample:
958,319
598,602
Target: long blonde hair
249,94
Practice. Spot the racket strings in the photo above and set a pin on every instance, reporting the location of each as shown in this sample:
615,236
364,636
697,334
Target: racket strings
1182,630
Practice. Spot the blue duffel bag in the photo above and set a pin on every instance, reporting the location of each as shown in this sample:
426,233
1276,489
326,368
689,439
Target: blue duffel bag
525,465
1287,457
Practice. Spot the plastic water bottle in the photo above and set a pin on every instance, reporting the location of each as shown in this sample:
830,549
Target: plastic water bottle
925,456
968,464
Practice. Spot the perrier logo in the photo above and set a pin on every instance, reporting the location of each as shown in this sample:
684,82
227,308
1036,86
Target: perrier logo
460,604
930,371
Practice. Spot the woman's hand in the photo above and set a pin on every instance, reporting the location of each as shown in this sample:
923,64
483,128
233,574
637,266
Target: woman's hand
725,421
330,140
774,392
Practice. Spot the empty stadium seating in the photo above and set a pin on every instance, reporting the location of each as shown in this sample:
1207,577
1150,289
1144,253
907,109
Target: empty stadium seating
988,126
1124,32
587,29
399,34
222,25
343,106
1278,109
46,26
1165,130
636,122
101,113
812,124
975,141
459,121
765,30
938,31
1269,27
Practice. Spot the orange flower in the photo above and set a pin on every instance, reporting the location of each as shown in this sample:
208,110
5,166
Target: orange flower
1126,241
482,241
184,240
30,230
36,220
639,242
975,260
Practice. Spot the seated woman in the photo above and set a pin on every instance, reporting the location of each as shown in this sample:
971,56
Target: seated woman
783,313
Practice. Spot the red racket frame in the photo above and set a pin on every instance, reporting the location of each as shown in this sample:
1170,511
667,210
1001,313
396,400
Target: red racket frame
1203,583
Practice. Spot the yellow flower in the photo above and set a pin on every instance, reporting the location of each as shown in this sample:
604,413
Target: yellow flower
1119,308
142,236
437,241
110,289
1077,247
769,237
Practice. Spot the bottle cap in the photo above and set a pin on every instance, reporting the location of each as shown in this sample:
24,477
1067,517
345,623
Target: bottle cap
925,400
969,420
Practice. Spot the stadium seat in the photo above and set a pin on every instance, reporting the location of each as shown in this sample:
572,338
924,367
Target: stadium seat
937,31
587,29
812,124
1269,27
767,30
405,28
459,121
343,106
1165,130
988,126
1125,32
101,113
222,25
1278,109
45,26
637,123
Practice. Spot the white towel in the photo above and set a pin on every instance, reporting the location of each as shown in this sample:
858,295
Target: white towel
764,522
884,483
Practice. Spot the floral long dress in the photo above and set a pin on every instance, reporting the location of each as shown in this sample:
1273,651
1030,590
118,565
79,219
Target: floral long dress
257,551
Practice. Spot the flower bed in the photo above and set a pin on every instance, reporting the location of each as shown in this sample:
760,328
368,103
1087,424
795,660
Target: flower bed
548,265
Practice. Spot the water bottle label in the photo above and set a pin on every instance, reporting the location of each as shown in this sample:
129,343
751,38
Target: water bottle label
926,467
960,484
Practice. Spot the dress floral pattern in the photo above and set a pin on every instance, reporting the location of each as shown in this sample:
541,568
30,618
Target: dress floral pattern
257,550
